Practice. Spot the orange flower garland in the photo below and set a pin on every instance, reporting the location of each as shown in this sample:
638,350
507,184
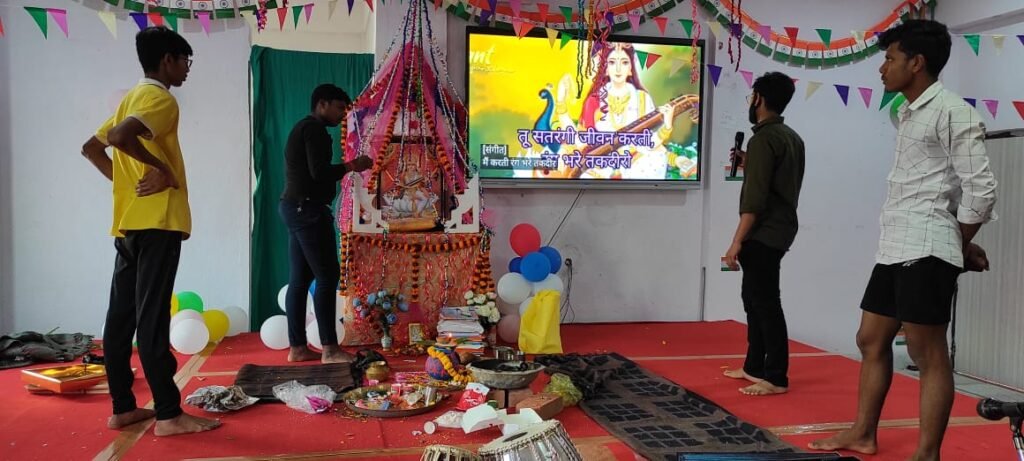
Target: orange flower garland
462,376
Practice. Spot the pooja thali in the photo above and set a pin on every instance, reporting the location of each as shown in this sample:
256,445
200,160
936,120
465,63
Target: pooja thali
398,401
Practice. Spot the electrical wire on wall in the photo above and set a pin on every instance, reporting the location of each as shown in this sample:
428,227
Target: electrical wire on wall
566,308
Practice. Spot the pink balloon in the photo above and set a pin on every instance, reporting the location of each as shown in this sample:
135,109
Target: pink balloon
508,328
524,239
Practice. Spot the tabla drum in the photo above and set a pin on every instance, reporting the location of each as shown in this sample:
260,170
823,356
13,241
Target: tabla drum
545,441
447,453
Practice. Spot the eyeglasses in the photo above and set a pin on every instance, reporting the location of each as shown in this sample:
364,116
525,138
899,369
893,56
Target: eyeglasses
188,61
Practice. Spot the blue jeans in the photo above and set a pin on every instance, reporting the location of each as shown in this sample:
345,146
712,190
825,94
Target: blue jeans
312,254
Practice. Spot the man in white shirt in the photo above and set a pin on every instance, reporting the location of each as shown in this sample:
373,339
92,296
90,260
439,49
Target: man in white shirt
940,192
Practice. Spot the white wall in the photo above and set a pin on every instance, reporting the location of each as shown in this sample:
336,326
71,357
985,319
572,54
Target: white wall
973,15
61,256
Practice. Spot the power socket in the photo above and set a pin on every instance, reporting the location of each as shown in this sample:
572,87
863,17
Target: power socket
568,263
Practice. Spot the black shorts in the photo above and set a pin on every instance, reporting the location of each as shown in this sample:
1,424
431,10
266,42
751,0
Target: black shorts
919,291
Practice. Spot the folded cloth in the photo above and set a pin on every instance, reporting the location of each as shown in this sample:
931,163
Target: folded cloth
25,348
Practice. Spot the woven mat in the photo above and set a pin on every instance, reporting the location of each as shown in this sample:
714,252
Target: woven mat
663,421
259,381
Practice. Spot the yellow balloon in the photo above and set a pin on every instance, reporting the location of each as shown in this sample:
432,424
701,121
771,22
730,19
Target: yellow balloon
217,322
174,304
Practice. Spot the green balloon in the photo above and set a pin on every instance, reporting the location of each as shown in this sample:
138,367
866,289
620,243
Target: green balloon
190,300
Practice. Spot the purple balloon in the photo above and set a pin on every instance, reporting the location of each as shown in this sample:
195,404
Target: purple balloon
515,264
535,266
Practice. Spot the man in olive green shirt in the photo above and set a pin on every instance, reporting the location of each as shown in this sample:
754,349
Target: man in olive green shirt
773,172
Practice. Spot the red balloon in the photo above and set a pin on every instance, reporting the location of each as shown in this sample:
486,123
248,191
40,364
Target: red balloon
525,239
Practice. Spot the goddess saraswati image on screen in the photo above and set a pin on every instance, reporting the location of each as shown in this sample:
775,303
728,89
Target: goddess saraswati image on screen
621,132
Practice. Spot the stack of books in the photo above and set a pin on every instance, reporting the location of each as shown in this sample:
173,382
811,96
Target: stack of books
459,327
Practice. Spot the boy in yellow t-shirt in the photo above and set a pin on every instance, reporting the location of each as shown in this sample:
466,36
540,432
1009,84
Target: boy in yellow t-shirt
151,218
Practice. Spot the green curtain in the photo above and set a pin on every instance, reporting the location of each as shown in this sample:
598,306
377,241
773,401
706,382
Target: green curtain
282,84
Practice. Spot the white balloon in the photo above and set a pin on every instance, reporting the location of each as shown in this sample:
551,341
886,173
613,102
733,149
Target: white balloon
525,306
513,288
238,320
313,334
183,315
284,292
310,317
190,336
274,332
552,282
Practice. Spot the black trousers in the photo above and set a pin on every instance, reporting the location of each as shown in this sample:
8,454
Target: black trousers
767,338
312,254
140,300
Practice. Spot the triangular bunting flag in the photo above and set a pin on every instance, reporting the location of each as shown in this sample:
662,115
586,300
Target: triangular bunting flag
887,97
39,15
350,4
651,59
308,11
61,18
521,27
716,72
792,32
1021,38
296,13
437,4
716,28
687,26
516,6
795,80
493,4
766,32
331,5
609,19
826,36
973,102
844,92
566,12
565,39
642,57
369,3
661,21
109,20
2,27
172,20
141,20
676,65
204,20
858,36
992,105
812,86
460,9
283,13
485,18
552,36
748,77
865,94
974,40
998,41
634,21
155,18
1019,105
542,11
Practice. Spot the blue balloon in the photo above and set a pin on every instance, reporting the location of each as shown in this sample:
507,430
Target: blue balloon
554,257
312,287
515,264
535,266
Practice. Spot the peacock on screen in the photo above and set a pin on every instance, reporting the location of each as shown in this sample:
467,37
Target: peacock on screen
536,111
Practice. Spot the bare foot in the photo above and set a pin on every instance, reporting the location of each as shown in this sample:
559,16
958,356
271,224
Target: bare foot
301,354
846,440
334,354
739,373
184,424
121,420
763,388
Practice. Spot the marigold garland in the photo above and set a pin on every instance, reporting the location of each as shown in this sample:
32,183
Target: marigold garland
463,376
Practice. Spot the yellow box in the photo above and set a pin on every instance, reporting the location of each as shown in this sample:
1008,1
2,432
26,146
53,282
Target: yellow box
65,378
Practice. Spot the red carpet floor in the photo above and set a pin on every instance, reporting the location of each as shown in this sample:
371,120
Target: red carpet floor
822,397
